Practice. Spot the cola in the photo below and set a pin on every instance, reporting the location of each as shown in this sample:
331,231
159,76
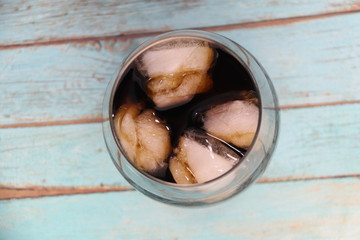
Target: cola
224,79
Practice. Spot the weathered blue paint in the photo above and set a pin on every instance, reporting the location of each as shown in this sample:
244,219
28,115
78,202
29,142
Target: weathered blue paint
69,155
41,20
309,62
323,209
321,141
313,142
49,83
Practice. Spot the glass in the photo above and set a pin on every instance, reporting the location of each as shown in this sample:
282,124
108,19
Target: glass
241,175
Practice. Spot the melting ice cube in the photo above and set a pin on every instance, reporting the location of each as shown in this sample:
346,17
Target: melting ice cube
176,70
144,138
234,122
200,158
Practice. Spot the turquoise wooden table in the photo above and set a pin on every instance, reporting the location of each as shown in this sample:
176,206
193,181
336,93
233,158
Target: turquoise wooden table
57,179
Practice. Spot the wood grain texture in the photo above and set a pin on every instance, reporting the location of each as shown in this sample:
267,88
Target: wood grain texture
314,140
325,209
42,21
56,58
308,61
313,143
311,63
69,155
42,191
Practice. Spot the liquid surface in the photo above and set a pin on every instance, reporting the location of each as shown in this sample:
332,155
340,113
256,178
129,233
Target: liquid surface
229,79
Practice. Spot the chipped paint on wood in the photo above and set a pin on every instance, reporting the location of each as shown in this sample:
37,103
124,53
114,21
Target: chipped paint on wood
9,192
56,59
322,209
311,142
73,77
43,21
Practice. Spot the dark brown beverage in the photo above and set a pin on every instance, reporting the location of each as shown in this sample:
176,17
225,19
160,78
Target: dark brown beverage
230,82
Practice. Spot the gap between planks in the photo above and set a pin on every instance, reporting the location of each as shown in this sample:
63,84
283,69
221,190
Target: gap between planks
129,35
54,123
98,119
9,192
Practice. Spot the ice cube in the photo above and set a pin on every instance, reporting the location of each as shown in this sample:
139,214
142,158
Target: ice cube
144,138
234,121
176,70
125,127
200,158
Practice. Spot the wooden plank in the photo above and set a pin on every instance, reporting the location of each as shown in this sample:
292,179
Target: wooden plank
326,209
76,155
308,61
311,62
56,83
315,142
42,21
69,155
